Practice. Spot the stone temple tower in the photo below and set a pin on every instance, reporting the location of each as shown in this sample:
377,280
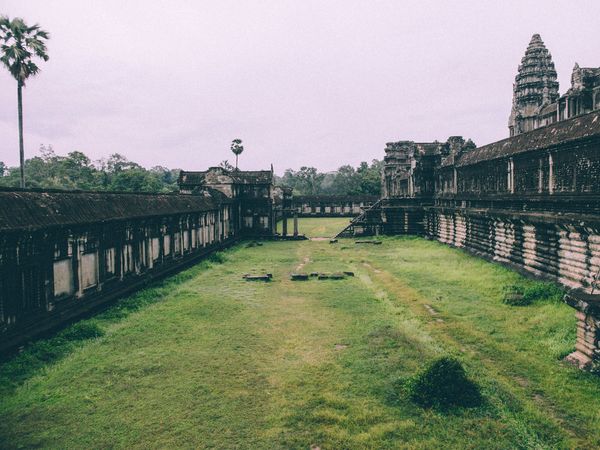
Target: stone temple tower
535,87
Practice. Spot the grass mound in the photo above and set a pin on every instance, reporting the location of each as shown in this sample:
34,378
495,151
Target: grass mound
518,295
444,384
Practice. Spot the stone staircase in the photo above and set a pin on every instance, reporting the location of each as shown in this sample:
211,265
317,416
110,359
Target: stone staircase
367,223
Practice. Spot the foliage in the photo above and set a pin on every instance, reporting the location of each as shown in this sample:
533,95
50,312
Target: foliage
347,180
237,148
217,258
226,165
82,330
523,295
444,384
77,171
20,44
117,173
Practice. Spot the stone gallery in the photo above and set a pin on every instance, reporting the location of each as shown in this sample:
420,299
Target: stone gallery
531,201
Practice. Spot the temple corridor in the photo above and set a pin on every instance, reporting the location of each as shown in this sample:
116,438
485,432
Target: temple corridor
216,361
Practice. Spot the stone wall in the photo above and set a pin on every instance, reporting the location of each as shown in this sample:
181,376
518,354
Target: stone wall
63,254
544,245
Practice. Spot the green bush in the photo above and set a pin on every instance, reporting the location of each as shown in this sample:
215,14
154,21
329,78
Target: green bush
517,295
543,291
514,295
444,384
217,258
81,331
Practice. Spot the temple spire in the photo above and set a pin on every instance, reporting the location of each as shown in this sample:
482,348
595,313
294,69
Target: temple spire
535,87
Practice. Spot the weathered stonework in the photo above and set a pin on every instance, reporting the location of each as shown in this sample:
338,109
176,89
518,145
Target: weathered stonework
253,192
535,88
536,101
531,201
63,254
587,348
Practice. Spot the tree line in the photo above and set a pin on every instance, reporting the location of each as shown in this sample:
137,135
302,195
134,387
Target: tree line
117,173
78,171
22,45
346,180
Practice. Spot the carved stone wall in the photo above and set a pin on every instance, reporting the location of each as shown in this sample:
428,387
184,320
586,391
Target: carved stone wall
63,254
560,249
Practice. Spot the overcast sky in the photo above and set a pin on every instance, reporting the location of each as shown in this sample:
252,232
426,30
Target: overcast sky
318,83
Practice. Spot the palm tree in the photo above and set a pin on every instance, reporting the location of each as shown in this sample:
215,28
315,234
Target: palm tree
19,45
237,148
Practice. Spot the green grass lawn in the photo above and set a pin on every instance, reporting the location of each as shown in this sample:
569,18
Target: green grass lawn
208,360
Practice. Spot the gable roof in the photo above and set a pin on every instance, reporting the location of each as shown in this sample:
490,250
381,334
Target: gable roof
197,178
564,131
36,209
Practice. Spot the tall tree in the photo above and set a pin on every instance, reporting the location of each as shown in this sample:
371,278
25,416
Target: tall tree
237,148
20,44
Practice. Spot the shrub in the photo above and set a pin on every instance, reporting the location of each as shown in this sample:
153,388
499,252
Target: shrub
543,291
81,331
513,295
217,258
444,384
517,295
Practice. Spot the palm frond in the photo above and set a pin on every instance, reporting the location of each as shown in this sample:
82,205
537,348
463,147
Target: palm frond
21,44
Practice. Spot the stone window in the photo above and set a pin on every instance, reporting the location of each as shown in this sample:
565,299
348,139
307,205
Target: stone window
89,270
127,258
63,278
167,244
264,222
186,240
155,248
194,238
110,261
177,243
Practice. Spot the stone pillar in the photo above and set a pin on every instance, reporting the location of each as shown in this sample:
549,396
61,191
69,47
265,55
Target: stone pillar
284,224
587,346
455,181
295,224
541,176
550,174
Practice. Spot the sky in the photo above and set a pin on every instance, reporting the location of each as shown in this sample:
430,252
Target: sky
302,83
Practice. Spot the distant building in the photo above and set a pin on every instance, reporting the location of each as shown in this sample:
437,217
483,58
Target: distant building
409,166
253,193
536,99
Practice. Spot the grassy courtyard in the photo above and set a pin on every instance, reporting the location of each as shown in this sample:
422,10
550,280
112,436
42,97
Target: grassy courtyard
208,360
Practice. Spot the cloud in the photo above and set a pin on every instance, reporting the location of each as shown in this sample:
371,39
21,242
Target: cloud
302,83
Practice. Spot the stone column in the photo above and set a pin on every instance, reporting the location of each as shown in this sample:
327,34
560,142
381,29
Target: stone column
295,224
550,174
284,224
587,346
